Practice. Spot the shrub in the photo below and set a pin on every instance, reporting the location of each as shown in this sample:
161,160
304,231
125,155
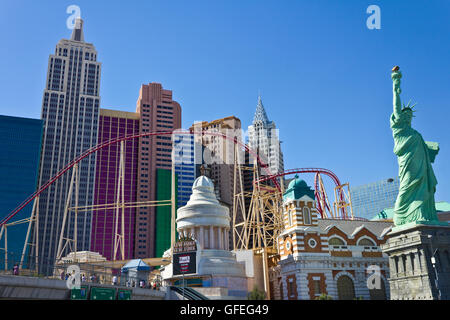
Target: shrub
256,294
324,296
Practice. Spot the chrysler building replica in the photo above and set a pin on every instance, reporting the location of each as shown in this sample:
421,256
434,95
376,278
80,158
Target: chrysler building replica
264,139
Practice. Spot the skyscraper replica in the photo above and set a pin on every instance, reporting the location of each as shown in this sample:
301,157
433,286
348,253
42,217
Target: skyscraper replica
158,112
114,124
217,154
263,138
70,111
19,164
147,175
184,166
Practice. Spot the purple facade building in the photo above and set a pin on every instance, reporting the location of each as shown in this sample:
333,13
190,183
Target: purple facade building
114,124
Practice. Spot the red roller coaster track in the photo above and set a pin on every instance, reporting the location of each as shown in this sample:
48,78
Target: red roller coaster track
126,138
317,192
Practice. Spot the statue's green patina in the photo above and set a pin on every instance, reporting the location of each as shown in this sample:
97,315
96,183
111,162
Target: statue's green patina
415,201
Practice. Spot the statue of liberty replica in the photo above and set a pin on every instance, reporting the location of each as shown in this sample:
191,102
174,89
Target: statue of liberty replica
419,244
415,201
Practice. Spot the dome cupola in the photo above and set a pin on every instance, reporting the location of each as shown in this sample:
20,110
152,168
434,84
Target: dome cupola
298,188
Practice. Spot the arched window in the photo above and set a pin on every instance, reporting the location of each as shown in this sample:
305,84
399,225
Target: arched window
306,216
366,243
335,241
290,217
378,294
346,289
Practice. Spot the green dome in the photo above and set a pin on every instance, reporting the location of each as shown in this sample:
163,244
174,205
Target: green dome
297,188
297,183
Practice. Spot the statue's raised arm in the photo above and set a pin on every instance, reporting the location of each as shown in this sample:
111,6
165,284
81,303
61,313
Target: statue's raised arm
396,75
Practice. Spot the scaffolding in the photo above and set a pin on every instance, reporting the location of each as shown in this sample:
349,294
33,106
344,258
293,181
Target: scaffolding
257,218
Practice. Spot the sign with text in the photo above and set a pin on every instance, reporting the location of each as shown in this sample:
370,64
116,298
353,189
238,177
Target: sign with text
187,245
185,263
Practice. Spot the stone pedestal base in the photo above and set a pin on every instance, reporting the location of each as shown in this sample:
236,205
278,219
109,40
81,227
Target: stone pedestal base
413,275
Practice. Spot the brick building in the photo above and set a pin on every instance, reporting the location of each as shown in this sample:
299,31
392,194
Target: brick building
327,256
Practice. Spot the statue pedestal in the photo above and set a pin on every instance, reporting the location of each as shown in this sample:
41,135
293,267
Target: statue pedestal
419,262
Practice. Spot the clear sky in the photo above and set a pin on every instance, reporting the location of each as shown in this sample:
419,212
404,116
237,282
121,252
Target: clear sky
323,75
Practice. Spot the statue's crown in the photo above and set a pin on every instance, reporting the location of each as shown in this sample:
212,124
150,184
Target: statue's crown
409,107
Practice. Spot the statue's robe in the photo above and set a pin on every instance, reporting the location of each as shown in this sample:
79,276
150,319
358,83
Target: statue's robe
415,201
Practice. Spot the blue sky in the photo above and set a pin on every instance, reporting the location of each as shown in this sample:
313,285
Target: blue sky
323,75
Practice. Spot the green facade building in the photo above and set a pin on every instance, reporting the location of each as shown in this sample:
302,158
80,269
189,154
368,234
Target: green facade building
164,212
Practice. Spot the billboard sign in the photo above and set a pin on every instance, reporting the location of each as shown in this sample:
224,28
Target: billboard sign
184,256
185,263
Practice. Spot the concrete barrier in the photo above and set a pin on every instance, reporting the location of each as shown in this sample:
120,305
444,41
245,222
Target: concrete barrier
33,288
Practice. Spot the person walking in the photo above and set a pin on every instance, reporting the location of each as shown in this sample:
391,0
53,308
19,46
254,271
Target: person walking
16,270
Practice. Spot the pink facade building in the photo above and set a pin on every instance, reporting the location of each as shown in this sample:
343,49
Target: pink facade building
157,112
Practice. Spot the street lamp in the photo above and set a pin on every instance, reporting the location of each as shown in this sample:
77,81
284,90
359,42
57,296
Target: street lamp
433,262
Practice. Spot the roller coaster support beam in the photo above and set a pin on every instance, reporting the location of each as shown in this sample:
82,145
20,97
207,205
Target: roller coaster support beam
4,231
119,238
66,210
34,220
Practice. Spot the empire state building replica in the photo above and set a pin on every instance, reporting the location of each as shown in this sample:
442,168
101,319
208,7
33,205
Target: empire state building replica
70,111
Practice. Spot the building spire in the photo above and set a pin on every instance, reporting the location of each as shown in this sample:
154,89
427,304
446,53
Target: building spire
77,32
260,114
